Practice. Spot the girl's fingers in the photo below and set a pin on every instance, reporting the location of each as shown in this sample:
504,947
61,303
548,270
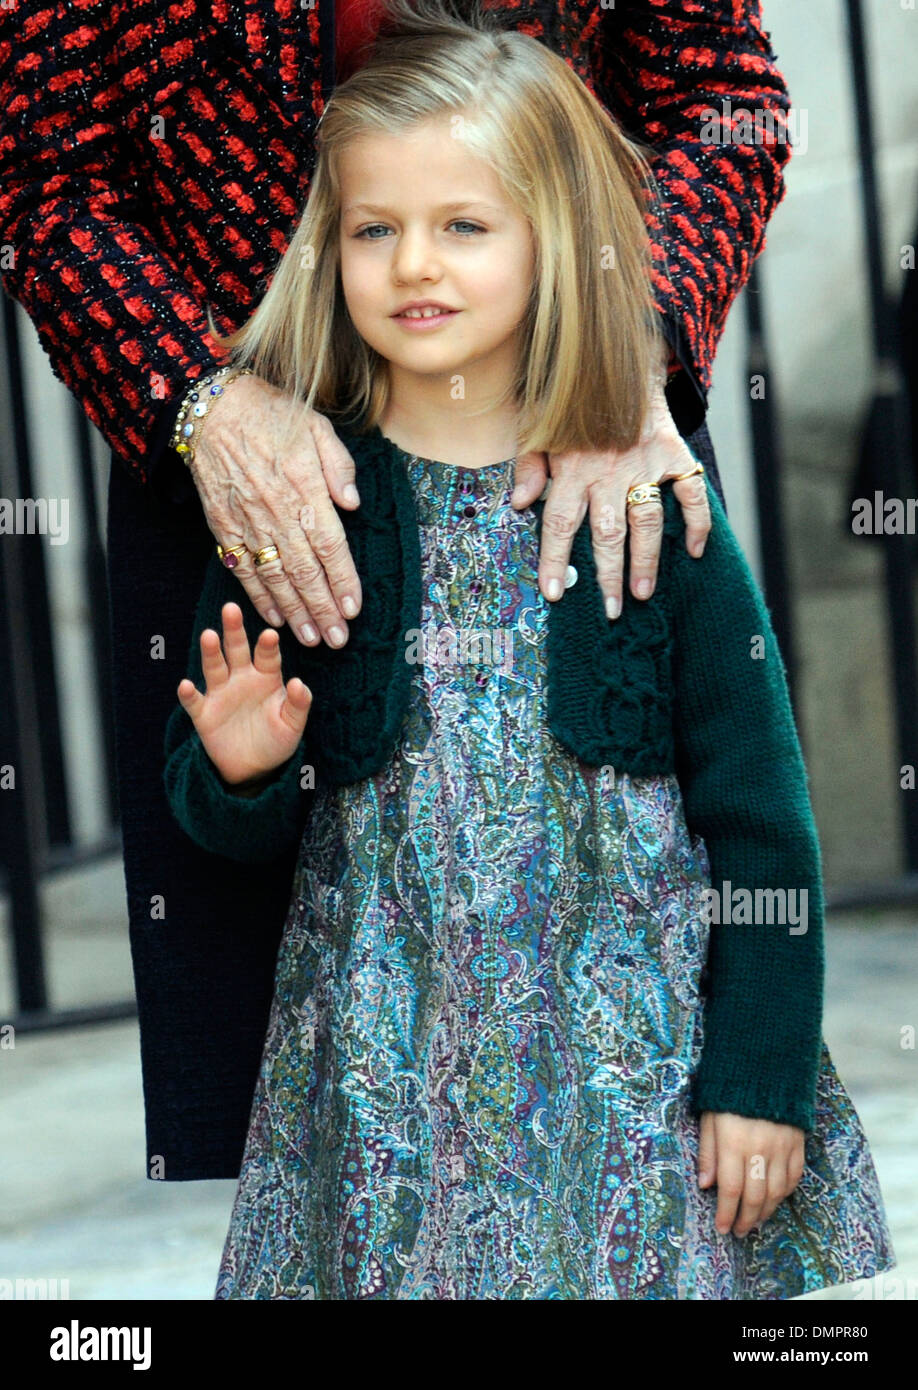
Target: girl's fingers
295,708
730,1186
235,641
266,657
796,1163
190,697
776,1188
783,1177
213,667
707,1150
754,1192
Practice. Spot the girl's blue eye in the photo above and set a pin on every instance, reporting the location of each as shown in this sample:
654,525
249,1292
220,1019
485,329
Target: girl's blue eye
374,226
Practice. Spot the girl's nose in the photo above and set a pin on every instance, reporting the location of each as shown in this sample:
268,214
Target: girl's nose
414,257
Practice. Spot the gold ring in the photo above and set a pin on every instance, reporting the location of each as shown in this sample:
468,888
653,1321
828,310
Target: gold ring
699,468
266,554
230,555
642,492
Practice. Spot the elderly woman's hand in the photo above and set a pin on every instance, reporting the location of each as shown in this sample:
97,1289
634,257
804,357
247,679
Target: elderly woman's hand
257,491
599,481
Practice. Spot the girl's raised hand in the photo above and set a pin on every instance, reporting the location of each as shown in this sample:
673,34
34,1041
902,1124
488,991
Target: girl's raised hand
755,1164
249,722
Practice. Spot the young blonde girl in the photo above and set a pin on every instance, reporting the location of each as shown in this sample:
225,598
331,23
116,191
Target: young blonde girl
512,1052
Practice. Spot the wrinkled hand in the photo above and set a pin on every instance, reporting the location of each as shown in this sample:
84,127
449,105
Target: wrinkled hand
755,1164
249,721
599,482
257,490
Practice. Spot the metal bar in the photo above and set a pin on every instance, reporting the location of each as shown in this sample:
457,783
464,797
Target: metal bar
43,1020
96,585
893,463
769,502
16,821
890,892
59,858
46,710
22,804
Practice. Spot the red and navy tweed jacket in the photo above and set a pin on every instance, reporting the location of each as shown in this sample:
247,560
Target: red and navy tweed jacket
155,156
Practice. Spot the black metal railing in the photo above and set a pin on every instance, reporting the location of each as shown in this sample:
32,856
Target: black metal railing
889,443
36,838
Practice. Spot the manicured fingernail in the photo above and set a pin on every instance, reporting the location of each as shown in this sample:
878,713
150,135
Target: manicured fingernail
613,607
336,635
308,632
349,493
555,588
274,617
350,606
644,588
698,549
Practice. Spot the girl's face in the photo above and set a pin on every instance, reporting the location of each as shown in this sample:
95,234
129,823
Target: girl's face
424,219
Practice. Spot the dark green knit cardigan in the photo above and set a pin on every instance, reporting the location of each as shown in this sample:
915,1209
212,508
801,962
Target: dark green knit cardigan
690,681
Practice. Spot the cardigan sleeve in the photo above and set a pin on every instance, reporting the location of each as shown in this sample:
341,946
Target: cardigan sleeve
110,306
253,829
745,792
661,67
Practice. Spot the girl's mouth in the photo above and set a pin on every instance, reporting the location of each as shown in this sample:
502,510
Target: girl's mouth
418,322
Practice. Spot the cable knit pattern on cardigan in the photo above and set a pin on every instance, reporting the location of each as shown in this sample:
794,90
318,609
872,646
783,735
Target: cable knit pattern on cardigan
153,158
676,684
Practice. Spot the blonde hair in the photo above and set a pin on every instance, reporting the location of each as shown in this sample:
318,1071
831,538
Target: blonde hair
590,334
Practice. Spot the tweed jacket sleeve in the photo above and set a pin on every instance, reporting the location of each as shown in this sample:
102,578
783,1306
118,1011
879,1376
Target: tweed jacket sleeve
661,67
110,306
253,829
745,792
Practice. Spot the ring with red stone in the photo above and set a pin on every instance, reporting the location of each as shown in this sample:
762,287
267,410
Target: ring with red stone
231,555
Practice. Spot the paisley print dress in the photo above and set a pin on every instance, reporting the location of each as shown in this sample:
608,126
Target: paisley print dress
487,1008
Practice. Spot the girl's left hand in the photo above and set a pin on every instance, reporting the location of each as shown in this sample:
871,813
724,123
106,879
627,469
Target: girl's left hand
755,1164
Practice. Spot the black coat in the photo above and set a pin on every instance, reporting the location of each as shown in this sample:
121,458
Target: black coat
204,931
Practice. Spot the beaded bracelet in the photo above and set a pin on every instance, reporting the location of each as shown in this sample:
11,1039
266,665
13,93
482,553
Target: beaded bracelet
197,401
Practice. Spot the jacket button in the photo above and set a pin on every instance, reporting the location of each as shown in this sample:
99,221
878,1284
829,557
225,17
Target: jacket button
570,578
